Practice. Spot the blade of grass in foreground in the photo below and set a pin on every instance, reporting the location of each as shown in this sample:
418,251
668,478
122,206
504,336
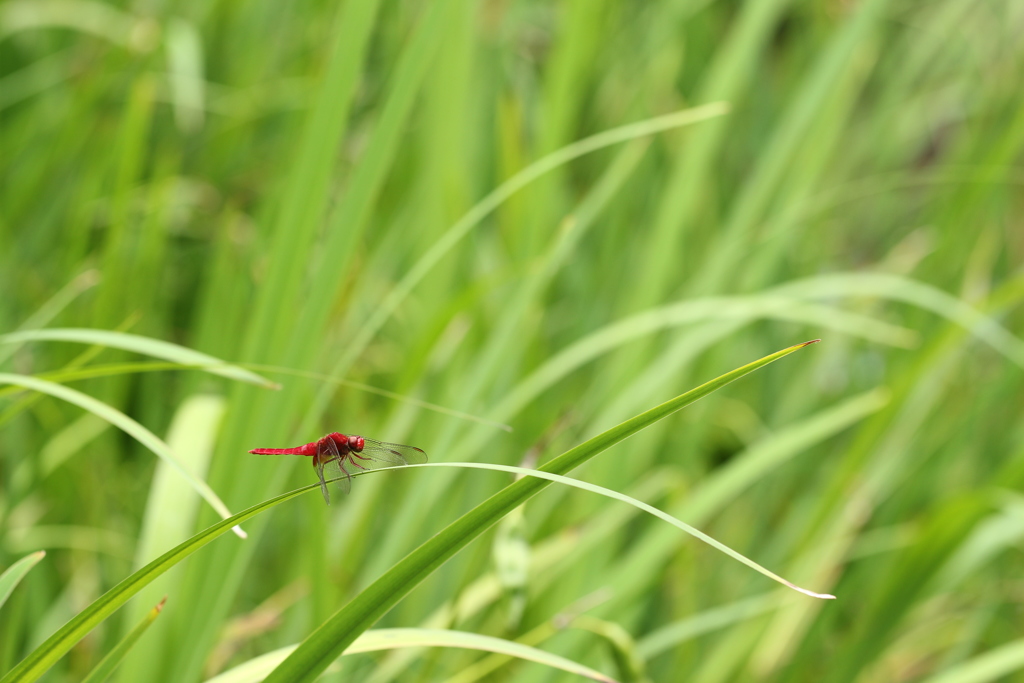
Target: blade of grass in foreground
126,424
144,345
57,645
609,493
376,640
57,303
33,666
988,666
492,201
114,369
16,572
109,663
327,643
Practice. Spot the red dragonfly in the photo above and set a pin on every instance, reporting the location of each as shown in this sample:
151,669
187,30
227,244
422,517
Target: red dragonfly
331,452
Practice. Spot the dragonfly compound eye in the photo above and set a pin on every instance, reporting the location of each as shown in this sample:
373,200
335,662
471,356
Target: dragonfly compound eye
356,443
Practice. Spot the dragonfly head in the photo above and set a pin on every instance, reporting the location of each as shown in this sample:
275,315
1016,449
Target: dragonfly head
356,443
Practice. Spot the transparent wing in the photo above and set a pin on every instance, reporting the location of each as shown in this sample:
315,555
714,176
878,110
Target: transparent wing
335,469
319,467
383,454
328,466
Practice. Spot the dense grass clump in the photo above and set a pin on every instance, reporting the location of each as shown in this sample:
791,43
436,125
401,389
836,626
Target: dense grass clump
236,225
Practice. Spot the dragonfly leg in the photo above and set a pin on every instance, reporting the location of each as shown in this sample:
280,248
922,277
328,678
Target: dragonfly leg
318,465
352,460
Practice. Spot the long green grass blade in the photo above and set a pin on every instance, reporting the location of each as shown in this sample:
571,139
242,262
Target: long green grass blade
993,665
13,575
376,640
501,194
324,645
106,667
673,634
428,222
57,303
144,345
126,424
171,511
114,369
57,645
615,495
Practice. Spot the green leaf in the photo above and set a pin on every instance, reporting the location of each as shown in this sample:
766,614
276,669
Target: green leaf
126,424
57,303
327,643
113,369
995,664
107,665
144,345
496,198
16,572
57,645
631,666
671,635
920,294
170,518
416,566
608,493
256,669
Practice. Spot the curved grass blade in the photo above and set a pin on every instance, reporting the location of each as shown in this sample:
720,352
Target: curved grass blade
57,303
375,640
370,389
126,424
992,665
739,308
621,646
87,16
496,198
916,293
16,572
325,644
144,345
71,536
416,566
57,645
78,361
671,635
109,369
609,493
107,665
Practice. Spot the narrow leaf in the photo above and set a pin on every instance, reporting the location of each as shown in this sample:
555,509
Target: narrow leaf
327,643
420,563
57,645
126,424
609,493
144,345
992,665
256,669
16,572
114,657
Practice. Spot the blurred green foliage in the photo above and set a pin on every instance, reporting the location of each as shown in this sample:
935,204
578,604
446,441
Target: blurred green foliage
287,184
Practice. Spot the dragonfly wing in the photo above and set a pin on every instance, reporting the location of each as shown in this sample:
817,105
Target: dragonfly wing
328,462
319,467
335,470
383,454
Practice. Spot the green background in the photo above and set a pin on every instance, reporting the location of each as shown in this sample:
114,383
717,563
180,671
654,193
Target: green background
296,185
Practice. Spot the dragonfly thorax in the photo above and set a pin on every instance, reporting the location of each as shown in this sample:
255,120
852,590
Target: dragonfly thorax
348,443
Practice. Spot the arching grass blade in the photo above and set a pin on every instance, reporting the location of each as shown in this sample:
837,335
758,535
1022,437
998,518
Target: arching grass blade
107,665
325,644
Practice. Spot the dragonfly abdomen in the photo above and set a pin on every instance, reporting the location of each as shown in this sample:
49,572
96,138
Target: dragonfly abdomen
304,449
